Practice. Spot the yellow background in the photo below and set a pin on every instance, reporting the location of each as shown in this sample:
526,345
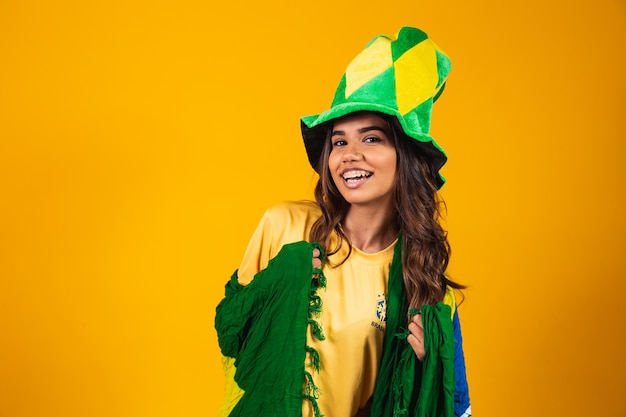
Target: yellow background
140,142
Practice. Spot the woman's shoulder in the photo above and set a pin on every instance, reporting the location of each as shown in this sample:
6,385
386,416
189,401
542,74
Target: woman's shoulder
294,210
289,221
283,223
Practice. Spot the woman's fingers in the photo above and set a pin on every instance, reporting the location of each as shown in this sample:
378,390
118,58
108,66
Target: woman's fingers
416,336
317,262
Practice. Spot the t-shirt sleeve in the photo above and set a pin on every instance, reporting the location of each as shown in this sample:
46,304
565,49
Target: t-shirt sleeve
261,248
282,223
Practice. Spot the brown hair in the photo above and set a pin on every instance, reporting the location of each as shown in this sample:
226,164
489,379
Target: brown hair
418,210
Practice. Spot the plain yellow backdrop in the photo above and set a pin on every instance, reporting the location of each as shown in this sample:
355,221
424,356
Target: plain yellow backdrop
140,142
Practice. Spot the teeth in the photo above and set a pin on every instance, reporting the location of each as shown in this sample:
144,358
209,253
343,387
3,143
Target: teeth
355,174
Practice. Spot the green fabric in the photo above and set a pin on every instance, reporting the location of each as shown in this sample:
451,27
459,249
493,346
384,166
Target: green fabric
404,383
263,326
436,397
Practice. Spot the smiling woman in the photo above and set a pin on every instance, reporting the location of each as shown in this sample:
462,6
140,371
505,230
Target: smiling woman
344,303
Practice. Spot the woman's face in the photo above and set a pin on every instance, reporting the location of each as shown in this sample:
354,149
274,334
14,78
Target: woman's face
362,160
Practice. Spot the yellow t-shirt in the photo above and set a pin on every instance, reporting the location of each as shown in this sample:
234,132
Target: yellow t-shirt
353,314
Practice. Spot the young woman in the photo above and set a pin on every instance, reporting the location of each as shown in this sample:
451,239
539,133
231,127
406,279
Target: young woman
341,307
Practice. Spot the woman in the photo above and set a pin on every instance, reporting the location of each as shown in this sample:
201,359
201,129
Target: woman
341,307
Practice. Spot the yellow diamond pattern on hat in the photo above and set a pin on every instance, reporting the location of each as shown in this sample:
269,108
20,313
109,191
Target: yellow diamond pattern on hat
416,76
370,63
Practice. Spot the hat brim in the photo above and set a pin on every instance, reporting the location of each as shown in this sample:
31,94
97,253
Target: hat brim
314,130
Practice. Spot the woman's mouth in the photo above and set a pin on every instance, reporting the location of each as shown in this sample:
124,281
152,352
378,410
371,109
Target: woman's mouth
356,176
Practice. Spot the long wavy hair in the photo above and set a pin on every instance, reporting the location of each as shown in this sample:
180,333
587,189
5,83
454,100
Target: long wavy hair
418,212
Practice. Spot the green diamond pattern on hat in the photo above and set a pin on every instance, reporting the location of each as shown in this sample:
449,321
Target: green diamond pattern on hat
401,77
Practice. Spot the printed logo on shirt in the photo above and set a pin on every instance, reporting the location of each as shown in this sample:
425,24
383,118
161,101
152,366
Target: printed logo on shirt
381,312
381,307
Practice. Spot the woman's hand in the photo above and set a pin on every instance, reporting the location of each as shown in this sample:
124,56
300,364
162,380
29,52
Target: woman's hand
416,337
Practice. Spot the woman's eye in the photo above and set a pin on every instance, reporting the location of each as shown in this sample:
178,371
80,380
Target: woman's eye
339,142
371,139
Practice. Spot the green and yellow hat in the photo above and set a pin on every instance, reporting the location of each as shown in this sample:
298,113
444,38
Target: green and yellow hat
401,77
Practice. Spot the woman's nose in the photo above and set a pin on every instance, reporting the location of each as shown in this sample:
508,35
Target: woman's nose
352,152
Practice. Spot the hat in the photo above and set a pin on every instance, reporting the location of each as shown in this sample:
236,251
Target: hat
400,77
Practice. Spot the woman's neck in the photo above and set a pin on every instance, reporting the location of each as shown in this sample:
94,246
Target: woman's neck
370,230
